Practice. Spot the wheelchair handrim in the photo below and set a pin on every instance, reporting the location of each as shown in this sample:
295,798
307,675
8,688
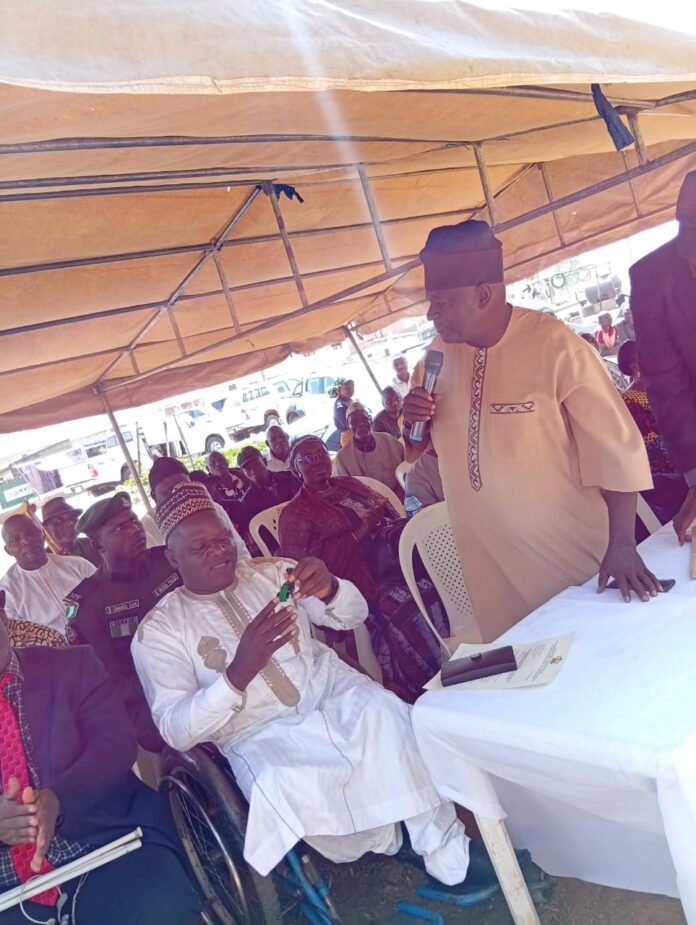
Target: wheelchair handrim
180,787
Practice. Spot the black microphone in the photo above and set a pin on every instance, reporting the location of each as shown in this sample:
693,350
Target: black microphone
433,367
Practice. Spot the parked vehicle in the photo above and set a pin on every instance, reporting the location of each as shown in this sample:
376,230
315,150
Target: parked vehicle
263,405
282,401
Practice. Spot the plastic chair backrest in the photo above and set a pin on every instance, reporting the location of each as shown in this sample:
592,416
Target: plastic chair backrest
381,489
430,532
401,471
268,519
645,513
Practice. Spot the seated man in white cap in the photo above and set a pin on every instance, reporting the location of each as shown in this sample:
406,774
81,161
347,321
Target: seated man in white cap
321,752
374,455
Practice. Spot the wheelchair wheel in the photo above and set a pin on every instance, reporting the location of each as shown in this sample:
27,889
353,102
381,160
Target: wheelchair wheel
210,815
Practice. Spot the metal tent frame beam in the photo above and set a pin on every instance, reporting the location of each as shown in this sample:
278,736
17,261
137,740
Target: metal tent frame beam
264,326
550,208
190,276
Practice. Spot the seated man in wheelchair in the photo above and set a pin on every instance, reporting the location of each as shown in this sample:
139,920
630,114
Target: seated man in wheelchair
321,752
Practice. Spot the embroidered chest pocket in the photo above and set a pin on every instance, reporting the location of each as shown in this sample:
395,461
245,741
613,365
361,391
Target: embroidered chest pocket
513,429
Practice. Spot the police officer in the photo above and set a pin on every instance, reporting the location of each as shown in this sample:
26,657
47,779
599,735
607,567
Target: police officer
105,610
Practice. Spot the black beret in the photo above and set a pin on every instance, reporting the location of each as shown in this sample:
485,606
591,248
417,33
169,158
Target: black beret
102,512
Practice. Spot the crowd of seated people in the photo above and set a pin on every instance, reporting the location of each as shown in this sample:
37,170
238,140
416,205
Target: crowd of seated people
339,539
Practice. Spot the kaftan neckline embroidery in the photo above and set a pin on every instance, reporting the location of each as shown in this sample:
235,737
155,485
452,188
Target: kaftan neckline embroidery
275,677
473,454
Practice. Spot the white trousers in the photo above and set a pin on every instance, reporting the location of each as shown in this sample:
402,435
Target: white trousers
436,835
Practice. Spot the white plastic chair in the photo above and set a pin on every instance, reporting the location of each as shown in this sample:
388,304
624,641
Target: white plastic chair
430,532
401,471
381,489
645,513
268,519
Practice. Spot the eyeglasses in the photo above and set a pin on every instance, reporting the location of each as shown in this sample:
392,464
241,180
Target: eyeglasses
311,459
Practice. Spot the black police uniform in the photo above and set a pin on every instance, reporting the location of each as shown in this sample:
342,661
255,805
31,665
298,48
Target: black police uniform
104,611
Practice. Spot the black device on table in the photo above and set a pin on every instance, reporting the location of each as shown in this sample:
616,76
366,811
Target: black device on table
478,665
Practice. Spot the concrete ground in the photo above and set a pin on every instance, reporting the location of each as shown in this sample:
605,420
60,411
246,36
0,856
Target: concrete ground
366,893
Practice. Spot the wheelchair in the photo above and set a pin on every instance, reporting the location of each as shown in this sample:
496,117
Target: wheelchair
210,814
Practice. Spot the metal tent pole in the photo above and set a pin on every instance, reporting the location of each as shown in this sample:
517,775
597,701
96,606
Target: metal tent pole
126,452
363,359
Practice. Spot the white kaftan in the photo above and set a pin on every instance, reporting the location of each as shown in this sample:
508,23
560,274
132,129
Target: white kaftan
37,595
320,751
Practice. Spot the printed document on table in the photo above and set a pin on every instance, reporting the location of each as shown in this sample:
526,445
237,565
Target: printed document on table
537,663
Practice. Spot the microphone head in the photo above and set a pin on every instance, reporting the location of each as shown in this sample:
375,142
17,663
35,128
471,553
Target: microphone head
433,362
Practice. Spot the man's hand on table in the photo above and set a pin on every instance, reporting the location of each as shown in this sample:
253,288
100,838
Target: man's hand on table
622,562
267,632
685,516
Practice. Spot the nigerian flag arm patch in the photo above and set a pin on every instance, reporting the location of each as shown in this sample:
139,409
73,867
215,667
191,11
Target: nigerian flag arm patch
71,608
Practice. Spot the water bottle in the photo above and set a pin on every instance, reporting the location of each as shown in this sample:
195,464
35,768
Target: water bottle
412,505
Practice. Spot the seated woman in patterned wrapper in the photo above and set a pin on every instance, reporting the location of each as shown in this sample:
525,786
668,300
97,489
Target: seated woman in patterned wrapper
356,533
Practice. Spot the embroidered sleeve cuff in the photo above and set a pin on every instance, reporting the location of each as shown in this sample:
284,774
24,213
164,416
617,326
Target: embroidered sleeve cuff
223,696
690,477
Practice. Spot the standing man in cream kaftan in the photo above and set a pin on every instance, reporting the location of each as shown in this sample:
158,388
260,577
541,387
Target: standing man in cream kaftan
539,458
320,751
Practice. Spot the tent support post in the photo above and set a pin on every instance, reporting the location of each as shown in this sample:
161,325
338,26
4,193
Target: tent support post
124,449
285,237
374,215
363,359
638,135
549,196
486,184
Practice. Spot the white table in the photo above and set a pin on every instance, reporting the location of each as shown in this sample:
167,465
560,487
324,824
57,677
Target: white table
596,772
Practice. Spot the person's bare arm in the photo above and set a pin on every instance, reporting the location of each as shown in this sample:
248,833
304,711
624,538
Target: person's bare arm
621,560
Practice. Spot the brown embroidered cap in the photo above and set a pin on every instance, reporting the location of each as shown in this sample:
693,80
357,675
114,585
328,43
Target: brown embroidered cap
186,499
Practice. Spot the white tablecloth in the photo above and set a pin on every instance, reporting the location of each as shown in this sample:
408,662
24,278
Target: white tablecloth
596,772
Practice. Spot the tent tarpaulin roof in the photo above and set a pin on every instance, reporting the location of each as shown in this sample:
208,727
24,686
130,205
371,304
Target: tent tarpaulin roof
147,246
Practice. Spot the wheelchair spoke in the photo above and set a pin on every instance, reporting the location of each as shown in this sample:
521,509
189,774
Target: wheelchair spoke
214,869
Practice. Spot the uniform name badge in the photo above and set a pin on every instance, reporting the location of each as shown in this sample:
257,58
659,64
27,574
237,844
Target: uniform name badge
127,626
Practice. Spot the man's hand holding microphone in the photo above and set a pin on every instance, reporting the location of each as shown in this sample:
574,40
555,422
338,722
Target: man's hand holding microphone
420,403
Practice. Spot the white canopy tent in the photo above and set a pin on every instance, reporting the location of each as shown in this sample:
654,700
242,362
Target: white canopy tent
151,154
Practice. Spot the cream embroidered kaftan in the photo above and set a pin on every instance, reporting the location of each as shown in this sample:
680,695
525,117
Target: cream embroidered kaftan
527,433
